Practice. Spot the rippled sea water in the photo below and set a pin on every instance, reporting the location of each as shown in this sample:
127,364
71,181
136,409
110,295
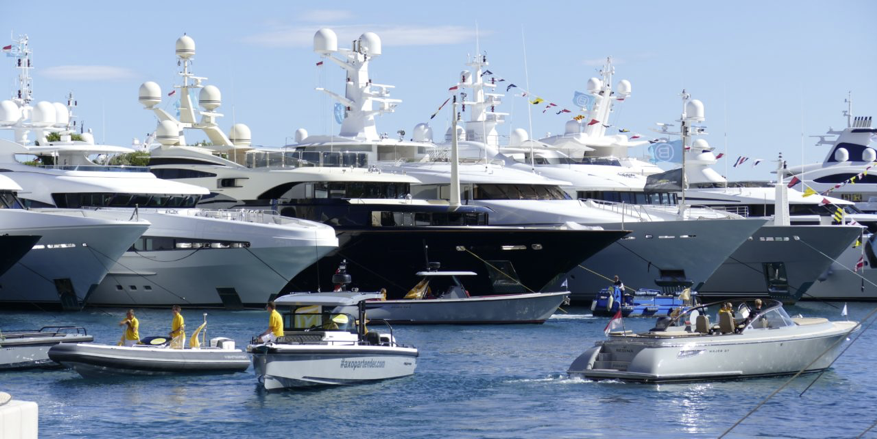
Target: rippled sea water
471,381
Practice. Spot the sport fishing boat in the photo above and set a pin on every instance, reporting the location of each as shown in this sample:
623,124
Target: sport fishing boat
93,360
371,210
21,349
326,342
441,298
762,342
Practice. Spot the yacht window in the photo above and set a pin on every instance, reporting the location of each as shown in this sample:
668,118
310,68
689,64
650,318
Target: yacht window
331,159
8,200
504,277
170,173
157,201
121,200
321,190
775,277
310,158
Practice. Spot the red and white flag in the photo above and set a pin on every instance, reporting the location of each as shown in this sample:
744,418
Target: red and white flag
861,264
173,92
593,122
319,63
721,154
614,323
453,88
794,181
7,48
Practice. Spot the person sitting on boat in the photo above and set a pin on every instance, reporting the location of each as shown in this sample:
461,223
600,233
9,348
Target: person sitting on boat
275,324
132,329
753,313
178,329
338,321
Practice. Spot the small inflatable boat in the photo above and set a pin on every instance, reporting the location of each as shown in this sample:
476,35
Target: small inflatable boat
154,357
23,349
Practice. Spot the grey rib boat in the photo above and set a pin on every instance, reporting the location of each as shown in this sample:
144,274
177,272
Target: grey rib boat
21,349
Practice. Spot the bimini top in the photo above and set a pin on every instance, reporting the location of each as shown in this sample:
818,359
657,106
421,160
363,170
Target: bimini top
326,299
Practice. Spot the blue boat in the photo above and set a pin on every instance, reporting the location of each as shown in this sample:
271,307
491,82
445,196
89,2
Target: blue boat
644,303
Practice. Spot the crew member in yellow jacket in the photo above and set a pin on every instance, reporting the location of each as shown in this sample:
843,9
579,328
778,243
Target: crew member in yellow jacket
178,329
275,324
132,330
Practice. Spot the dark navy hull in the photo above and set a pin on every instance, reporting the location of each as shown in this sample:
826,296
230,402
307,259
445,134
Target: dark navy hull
13,248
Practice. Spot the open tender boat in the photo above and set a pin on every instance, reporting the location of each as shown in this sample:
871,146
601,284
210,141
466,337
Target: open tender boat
440,298
22,349
643,303
156,357
326,343
687,348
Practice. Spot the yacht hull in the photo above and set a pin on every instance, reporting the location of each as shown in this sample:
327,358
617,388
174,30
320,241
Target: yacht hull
516,308
508,260
804,251
96,360
306,366
691,358
841,283
13,248
695,249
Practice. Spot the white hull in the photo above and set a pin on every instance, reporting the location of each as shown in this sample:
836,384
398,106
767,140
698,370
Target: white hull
514,308
756,352
304,366
88,246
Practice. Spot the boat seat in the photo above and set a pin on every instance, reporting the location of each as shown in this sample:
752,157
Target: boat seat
702,324
302,338
726,323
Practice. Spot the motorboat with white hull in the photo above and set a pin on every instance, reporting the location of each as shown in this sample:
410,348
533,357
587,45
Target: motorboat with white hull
70,258
326,342
688,348
93,360
22,349
370,209
441,298
13,248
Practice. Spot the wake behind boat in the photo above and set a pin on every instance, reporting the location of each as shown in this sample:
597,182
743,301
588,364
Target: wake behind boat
325,343
92,360
764,342
451,304
29,348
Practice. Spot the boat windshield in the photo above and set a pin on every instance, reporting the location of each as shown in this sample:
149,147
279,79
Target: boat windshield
745,315
308,318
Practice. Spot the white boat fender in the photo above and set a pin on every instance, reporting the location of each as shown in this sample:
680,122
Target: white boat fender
609,302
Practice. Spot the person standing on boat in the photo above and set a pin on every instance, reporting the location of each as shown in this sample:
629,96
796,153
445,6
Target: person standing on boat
132,330
619,284
275,325
178,329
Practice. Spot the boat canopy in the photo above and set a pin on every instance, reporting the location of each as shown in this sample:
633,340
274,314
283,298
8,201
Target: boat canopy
326,299
446,273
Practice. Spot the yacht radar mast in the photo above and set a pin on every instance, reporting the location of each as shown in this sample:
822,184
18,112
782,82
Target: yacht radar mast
360,92
483,119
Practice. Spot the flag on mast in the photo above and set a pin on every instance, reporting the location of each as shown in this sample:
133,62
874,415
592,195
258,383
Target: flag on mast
843,313
614,323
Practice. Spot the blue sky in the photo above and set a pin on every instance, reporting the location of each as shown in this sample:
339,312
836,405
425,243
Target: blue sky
762,68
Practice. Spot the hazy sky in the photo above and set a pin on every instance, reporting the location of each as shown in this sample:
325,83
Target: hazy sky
764,69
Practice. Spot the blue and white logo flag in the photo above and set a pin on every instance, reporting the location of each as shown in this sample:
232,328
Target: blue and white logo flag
565,283
667,151
583,100
339,113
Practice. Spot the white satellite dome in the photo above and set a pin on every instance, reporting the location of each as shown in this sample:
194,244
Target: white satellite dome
62,115
518,137
185,47
10,113
572,127
300,135
700,144
841,154
428,134
43,114
594,85
370,44
210,98
694,110
150,94
325,41
461,134
167,133
87,138
419,133
869,155
240,135
623,87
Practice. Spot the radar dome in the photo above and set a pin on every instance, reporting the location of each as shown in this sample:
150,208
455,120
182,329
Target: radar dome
87,138
420,131
43,114
623,87
167,133
240,135
841,155
325,41
573,127
210,98
428,134
594,85
9,113
185,47
461,134
869,155
700,144
150,94
694,110
300,135
518,137
62,116
370,44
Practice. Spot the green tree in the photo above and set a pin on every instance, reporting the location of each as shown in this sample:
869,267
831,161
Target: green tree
133,159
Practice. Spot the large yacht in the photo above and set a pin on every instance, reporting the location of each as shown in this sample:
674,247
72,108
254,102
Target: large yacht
187,256
371,209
